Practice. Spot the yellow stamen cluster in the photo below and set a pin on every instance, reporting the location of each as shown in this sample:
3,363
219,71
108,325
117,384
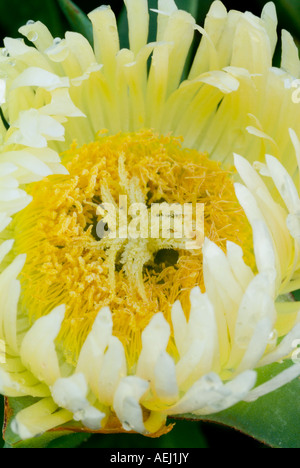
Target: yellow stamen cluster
68,264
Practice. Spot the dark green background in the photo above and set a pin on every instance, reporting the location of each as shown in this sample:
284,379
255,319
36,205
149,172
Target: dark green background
13,14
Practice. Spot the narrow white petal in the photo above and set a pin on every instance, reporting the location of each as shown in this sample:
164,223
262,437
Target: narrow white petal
28,161
204,390
38,33
186,367
34,76
71,393
138,19
62,104
179,323
290,55
113,369
7,386
5,248
296,144
7,168
263,247
256,305
126,403
91,355
38,349
221,80
257,345
35,129
284,184
9,292
285,347
216,261
166,386
237,389
202,325
155,339
242,272
275,383
250,177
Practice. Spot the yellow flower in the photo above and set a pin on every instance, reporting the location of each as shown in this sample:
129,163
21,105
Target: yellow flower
119,332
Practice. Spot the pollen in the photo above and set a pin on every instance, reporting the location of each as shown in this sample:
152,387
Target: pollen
69,261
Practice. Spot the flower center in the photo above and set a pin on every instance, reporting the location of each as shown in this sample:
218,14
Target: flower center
89,236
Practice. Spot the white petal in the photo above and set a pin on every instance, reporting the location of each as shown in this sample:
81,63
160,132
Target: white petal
284,184
70,393
91,355
179,323
257,304
113,369
283,349
138,19
225,82
263,247
290,55
28,161
273,384
202,325
155,339
296,144
34,76
250,177
38,33
257,345
5,248
217,263
242,272
126,403
204,390
237,389
62,104
166,386
7,168
7,386
38,349
35,129
9,292
186,366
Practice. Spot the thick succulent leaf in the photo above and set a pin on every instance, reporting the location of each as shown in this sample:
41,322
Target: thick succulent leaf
78,20
273,419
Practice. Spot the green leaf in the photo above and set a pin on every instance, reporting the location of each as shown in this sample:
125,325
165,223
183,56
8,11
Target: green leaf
273,419
78,20
191,6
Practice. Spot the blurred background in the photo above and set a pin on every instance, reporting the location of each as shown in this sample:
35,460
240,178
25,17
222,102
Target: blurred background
14,14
